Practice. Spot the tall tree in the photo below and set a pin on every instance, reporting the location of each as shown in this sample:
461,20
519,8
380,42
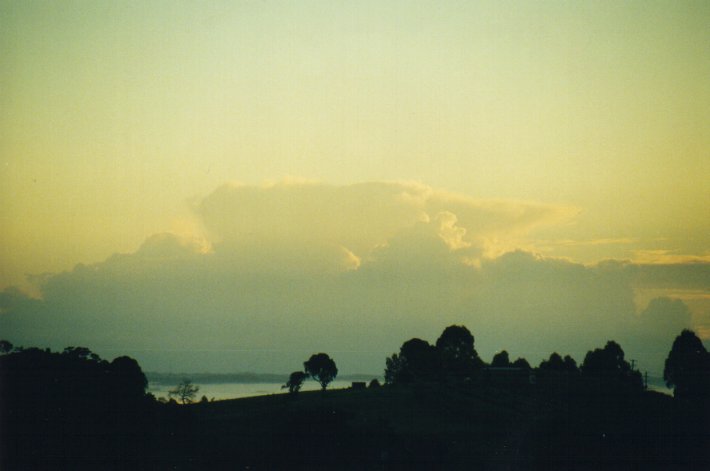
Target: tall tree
417,361
459,358
90,409
395,369
420,359
185,391
501,360
687,367
608,364
128,378
554,363
321,368
570,365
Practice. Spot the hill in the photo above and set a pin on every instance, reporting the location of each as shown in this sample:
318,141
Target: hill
430,427
241,377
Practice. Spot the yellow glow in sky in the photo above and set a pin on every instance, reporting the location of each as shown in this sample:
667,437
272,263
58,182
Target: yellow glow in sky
116,117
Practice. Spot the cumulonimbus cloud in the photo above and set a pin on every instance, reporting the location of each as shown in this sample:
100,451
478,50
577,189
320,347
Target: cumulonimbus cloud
290,268
361,217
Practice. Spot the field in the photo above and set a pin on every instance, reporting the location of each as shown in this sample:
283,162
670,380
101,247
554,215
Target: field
431,427
72,410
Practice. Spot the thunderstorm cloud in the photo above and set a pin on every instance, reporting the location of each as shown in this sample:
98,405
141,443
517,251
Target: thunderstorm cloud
279,271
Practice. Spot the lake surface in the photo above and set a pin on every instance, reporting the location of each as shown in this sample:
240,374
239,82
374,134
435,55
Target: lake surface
660,389
220,391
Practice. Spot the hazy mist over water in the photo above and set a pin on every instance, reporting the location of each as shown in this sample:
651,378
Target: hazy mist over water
221,391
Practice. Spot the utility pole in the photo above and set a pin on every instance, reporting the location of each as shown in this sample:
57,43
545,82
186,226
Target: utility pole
633,365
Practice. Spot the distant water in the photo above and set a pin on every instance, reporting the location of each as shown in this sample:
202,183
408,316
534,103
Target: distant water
220,391
660,389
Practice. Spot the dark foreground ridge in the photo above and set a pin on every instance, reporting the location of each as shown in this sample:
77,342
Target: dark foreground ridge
435,427
73,410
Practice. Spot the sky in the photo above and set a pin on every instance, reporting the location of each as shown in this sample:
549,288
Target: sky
223,186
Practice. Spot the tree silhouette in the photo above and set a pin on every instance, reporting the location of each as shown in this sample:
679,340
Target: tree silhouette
554,363
295,381
501,360
687,367
557,363
128,378
321,368
5,346
395,369
73,401
569,364
521,363
418,361
608,363
80,353
608,359
185,391
459,358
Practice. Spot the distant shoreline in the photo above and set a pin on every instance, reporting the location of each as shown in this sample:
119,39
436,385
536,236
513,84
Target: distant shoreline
244,377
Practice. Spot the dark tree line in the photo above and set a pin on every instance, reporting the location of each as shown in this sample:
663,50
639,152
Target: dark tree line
502,360
74,410
454,359
557,363
60,410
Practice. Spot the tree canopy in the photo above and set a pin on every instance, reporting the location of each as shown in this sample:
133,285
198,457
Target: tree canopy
456,350
395,369
554,363
49,399
609,363
687,368
417,361
295,381
321,368
129,380
452,358
557,363
501,360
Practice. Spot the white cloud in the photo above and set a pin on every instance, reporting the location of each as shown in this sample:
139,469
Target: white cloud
666,257
363,216
352,270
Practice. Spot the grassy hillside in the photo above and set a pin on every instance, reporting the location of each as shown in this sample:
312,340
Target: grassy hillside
73,410
429,427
